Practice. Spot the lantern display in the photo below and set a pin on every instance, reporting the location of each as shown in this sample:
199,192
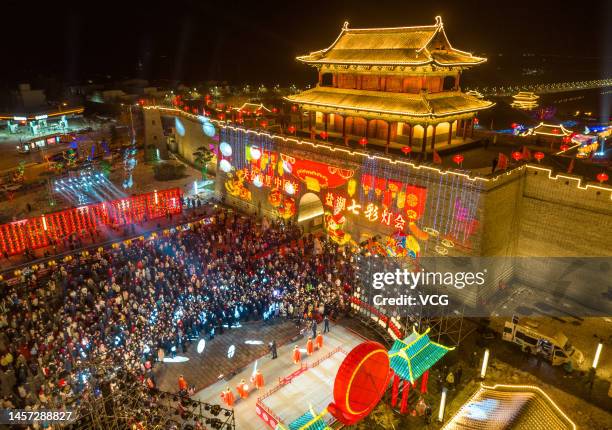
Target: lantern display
225,166
289,188
538,156
406,150
458,159
363,141
255,153
291,129
226,149
209,129
275,198
564,147
602,177
517,156
37,232
263,123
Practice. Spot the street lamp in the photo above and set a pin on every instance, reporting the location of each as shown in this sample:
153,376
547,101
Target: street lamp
442,405
597,354
485,362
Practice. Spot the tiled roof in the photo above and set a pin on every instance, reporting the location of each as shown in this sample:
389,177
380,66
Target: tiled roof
413,356
308,422
392,46
390,103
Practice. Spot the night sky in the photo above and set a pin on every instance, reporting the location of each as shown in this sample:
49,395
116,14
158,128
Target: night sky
257,41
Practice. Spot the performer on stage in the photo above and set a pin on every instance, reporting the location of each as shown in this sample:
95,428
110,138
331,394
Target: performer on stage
297,356
228,397
319,341
182,383
259,380
243,389
309,346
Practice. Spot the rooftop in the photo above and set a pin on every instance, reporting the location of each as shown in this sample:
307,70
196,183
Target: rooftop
397,46
389,103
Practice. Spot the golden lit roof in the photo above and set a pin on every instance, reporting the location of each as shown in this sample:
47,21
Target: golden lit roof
362,102
392,47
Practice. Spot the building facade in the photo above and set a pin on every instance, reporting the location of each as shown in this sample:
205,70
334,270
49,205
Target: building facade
393,87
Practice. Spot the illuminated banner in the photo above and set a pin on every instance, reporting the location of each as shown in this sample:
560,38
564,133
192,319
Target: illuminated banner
410,198
315,175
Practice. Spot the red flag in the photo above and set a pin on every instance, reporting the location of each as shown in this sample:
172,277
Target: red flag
436,158
502,162
570,168
526,154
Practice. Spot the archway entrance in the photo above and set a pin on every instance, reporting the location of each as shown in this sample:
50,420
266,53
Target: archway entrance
310,212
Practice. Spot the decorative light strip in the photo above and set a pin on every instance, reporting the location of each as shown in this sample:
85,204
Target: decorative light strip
390,112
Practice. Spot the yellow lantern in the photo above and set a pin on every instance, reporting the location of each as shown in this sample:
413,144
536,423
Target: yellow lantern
351,187
401,199
281,170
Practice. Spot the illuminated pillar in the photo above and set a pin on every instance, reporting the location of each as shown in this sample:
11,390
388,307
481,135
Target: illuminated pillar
301,115
433,137
424,143
424,380
410,133
464,122
395,390
450,132
310,124
344,138
388,136
405,391
325,119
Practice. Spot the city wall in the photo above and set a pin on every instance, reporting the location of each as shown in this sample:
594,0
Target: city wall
523,213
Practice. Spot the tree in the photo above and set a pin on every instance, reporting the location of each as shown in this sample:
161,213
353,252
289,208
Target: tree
202,157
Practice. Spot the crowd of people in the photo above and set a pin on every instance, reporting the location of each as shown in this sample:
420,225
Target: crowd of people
132,305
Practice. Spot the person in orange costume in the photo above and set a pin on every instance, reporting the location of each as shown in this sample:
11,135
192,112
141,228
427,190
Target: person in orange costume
259,380
182,383
319,340
228,397
243,389
297,356
309,346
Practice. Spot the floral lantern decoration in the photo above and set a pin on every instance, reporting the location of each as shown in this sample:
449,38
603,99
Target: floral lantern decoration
275,198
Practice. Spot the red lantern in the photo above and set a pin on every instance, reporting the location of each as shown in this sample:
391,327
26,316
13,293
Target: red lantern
555,131
514,125
476,121
564,147
221,116
406,150
602,177
240,121
291,129
323,135
567,139
194,110
458,158
516,155
264,123
274,110
294,108
363,141
538,156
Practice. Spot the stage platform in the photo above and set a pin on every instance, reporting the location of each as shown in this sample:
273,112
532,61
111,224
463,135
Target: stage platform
291,400
310,386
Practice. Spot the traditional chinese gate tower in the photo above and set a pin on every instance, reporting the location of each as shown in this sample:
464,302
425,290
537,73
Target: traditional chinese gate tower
394,87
